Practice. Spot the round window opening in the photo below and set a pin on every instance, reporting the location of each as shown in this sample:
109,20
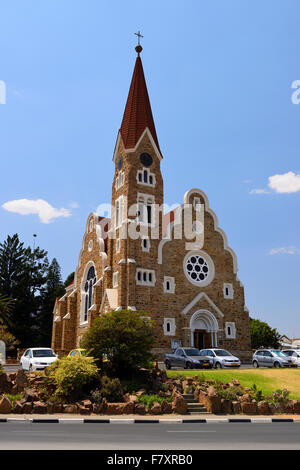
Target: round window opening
199,268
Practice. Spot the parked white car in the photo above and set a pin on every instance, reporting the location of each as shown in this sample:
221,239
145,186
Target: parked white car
221,358
37,358
293,354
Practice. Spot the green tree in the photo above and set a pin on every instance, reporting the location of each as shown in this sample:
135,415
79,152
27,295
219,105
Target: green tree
69,279
125,337
262,335
6,305
52,289
22,276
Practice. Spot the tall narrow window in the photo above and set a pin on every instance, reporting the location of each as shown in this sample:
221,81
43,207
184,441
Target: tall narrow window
88,291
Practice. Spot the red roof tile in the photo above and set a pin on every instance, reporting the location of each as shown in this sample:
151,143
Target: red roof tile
137,115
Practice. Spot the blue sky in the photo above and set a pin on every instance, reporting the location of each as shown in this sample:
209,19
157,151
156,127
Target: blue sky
219,75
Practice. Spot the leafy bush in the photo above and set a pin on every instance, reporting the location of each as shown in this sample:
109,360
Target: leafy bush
96,395
280,396
14,398
149,400
258,394
111,389
73,375
231,393
126,338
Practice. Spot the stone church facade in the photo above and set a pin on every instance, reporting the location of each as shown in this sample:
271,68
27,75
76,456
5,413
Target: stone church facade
145,260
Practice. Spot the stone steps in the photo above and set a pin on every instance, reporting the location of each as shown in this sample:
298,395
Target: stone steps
193,407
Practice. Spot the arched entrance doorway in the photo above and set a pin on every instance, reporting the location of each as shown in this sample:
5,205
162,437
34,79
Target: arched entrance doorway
204,330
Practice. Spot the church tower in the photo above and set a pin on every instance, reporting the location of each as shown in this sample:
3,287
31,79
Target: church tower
137,195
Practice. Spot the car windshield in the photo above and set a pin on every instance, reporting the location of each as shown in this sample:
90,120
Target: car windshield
222,352
43,353
279,353
192,352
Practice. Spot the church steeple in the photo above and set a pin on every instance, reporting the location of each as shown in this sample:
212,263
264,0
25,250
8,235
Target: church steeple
138,114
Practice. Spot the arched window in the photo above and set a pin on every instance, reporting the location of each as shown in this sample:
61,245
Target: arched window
88,289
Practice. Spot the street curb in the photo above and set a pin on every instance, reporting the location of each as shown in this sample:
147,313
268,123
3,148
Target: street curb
146,421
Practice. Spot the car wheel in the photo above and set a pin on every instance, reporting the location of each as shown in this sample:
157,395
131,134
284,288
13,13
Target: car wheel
255,364
188,365
168,365
276,365
218,365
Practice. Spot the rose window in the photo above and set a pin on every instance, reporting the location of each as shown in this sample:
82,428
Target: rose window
197,268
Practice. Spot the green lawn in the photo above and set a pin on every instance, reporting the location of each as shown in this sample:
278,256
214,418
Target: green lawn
267,380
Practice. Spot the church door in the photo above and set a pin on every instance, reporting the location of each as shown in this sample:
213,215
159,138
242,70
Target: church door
202,339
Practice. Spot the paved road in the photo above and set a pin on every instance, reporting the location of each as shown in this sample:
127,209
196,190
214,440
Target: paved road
33,436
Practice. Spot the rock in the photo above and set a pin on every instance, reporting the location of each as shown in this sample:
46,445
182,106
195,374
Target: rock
27,408
83,410
21,380
114,408
70,408
245,398
211,391
211,402
87,404
140,409
236,407
166,407
141,392
226,406
18,407
296,406
234,383
57,408
128,408
97,408
130,398
263,408
30,396
5,405
39,407
179,405
249,408
5,383
196,392
288,407
156,408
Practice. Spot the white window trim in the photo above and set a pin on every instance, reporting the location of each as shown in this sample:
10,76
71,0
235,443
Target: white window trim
119,180
141,172
147,248
228,286
232,334
172,323
147,282
120,211
146,200
115,279
171,280
118,245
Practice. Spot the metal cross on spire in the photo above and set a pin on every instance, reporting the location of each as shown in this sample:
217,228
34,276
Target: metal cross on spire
138,34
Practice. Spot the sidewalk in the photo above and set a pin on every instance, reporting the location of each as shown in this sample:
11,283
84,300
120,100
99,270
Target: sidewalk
135,419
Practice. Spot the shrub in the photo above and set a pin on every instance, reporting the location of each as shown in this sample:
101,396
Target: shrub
149,400
280,396
73,375
258,394
14,398
231,393
96,395
126,337
111,389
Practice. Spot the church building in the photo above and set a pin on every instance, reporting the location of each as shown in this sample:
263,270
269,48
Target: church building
145,260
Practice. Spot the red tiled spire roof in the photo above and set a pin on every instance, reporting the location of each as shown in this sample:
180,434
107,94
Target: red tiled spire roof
137,115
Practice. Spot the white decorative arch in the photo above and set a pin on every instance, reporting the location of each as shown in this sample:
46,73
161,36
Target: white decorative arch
100,239
88,265
186,200
204,320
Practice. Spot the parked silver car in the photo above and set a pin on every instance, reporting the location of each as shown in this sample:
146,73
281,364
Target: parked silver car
271,358
221,358
293,354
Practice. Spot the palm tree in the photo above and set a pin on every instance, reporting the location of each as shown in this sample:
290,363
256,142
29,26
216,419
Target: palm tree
6,305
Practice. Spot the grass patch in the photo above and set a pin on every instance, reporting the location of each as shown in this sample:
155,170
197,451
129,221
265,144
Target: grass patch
267,380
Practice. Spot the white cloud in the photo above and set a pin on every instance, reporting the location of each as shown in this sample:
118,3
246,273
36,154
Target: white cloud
259,191
40,207
291,250
285,183
74,205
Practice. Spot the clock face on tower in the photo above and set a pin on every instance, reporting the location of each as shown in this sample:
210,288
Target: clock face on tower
146,159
